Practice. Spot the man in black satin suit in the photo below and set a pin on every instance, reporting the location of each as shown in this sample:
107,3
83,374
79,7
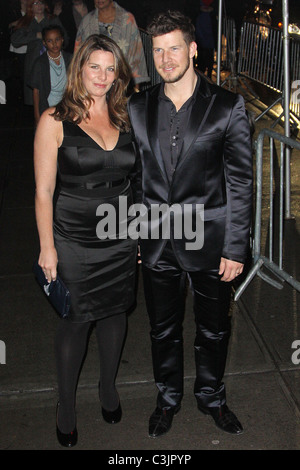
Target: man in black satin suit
195,147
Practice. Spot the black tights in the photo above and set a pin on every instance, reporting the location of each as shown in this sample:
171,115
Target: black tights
70,349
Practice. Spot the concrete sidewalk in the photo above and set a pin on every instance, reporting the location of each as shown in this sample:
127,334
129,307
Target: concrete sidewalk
263,384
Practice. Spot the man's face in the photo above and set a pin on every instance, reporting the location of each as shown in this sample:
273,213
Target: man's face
172,56
100,4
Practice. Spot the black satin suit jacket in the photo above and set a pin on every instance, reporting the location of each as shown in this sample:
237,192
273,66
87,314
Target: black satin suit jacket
214,169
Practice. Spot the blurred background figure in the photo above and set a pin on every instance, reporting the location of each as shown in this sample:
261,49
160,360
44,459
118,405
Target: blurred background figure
20,10
110,19
11,59
206,26
57,7
28,31
144,10
17,54
70,13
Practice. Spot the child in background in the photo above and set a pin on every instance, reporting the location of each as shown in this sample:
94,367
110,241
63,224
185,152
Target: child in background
49,71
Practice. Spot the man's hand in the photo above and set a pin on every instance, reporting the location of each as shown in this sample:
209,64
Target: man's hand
230,269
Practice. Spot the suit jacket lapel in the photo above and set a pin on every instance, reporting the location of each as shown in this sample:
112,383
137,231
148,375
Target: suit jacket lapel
199,113
152,126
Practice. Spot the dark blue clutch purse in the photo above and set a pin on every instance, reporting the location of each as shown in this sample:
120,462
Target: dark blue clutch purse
56,291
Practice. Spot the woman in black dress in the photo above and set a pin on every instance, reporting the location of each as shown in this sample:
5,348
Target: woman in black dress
84,157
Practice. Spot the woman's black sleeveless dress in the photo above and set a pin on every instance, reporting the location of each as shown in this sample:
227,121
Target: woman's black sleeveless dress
99,272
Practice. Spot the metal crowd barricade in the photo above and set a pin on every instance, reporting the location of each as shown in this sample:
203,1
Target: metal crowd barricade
228,56
258,259
261,59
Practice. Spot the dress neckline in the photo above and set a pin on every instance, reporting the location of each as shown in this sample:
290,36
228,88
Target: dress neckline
105,150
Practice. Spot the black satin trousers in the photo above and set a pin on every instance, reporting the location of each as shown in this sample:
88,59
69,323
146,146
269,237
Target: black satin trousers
165,288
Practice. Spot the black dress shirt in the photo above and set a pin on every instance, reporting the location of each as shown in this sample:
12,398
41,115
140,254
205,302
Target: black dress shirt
172,125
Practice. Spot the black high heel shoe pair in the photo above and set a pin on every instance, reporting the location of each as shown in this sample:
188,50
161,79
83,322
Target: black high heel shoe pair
70,439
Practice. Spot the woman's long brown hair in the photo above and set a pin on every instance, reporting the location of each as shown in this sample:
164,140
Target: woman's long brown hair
76,100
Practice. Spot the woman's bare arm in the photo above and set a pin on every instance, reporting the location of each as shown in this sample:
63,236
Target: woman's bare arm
48,138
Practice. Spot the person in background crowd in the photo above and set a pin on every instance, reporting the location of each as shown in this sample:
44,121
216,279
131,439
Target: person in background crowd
57,7
17,54
205,37
22,12
28,31
49,71
111,20
71,15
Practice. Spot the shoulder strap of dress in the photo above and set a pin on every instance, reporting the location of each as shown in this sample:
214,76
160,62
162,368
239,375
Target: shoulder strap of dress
69,128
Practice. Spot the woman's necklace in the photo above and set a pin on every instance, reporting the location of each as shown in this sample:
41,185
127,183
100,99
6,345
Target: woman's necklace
54,58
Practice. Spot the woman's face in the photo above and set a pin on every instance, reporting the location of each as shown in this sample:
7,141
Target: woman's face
98,73
38,7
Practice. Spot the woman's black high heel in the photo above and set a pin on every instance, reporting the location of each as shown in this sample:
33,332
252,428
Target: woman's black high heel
112,417
66,440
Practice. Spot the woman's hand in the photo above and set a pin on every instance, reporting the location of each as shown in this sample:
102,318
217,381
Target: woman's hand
48,262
